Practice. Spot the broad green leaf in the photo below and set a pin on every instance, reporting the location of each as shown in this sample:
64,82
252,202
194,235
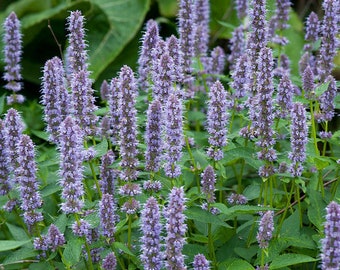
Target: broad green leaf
50,189
201,215
42,266
111,28
321,89
316,209
122,247
245,209
18,233
235,264
290,259
101,148
168,8
11,244
61,222
72,251
2,103
291,225
20,254
40,134
248,154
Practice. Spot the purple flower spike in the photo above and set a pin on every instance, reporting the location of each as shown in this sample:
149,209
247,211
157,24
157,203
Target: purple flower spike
108,176
266,228
241,7
152,256
149,42
330,253
202,27
5,183
308,85
110,262
237,47
174,136
174,51
218,60
285,96
83,102
114,101
128,124
77,54
208,181
131,206
104,91
327,105
71,169
12,52
28,183
153,138
282,14
329,41
55,99
108,218
217,121
240,76
312,27
299,134
175,229
200,262
55,238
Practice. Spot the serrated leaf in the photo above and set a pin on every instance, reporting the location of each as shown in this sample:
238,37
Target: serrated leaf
167,8
235,264
11,244
316,209
72,251
20,254
2,103
322,88
201,215
123,247
17,232
50,189
285,260
101,148
40,134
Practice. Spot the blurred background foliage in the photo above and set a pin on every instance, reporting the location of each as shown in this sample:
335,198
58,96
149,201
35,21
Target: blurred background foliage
114,29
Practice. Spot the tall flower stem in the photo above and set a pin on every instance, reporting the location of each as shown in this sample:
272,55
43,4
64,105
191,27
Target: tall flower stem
311,106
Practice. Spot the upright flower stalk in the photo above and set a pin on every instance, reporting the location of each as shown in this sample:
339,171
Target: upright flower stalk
5,182
114,113
71,168
12,51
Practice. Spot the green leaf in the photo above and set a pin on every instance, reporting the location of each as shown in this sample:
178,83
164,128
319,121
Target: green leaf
245,209
11,244
290,259
167,8
101,148
72,251
50,189
18,233
322,88
2,103
111,28
123,247
20,254
235,264
198,214
316,209
40,134
248,154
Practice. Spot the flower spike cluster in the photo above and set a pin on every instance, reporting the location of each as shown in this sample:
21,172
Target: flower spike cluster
5,183
200,262
266,228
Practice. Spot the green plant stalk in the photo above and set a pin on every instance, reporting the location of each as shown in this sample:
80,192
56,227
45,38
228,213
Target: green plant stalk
193,163
286,208
311,105
299,202
325,141
95,178
211,244
320,183
87,247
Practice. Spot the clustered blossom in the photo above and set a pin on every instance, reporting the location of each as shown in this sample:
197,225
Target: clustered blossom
104,91
28,183
266,228
202,27
71,169
152,256
330,252
240,77
108,176
149,42
107,212
153,137
329,41
241,7
237,199
55,97
109,262
237,47
174,136
131,206
279,21
128,124
55,238
299,135
173,48
218,59
327,105
152,186
175,229
208,181
201,263
5,183
114,113
217,118
308,85
12,52
312,30
285,96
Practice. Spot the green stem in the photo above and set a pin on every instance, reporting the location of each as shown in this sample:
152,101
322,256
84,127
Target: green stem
311,105
211,245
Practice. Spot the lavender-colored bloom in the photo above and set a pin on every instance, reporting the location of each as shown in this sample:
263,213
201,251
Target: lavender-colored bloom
12,52
174,136
237,199
329,41
202,27
152,256
41,244
187,18
217,118
283,69
71,169
241,7
265,117
14,127
128,124
152,186
312,27
104,91
330,253
110,262
105,127
325,135
114,112
130,189
55,97
153,139
107,212
299,134
200,262
83,102
149,42
281,16
175,229
218,59
266,228
308,85
163,77
237,47
10,205
82,228
208,181
173,48
327,105
27,179
77,54
108,176
131,206
285,96
240,76
55,238
264,267
5,183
